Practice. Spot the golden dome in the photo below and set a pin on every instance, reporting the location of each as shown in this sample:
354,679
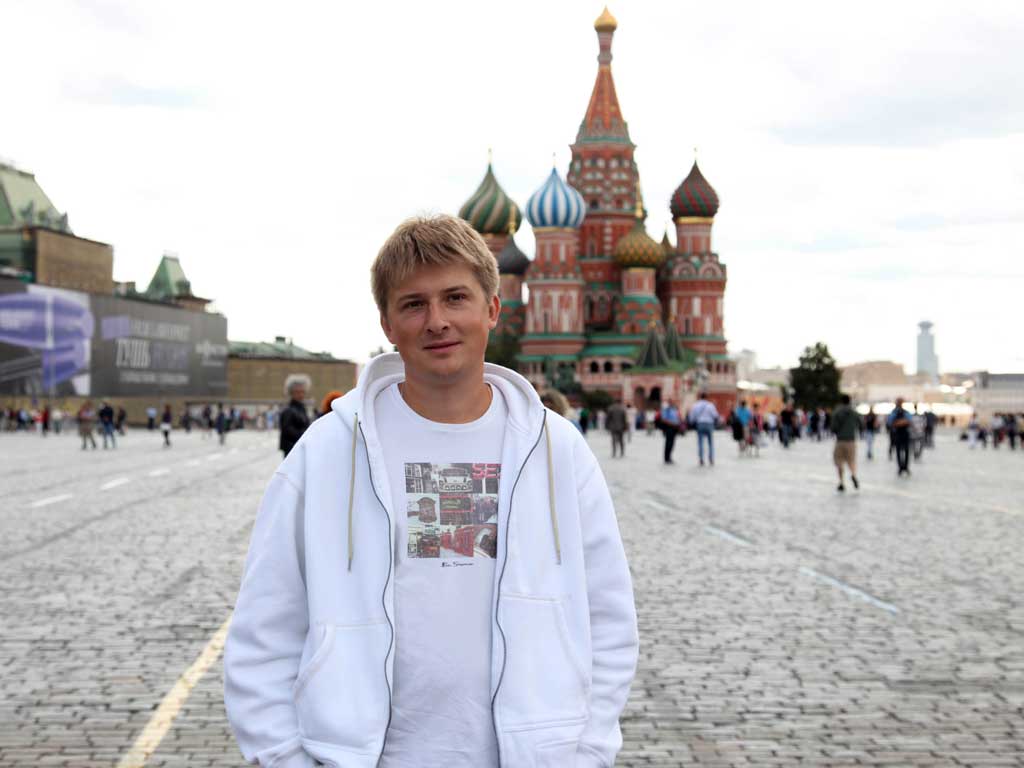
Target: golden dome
606,22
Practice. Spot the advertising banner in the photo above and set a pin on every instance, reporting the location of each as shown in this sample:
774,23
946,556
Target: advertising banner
55,342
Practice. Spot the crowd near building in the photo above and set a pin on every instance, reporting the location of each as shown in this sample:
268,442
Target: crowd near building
70,334
608,307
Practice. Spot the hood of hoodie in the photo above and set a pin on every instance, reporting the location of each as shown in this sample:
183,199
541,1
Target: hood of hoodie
525,410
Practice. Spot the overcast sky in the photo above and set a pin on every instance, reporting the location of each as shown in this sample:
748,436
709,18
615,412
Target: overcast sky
869,157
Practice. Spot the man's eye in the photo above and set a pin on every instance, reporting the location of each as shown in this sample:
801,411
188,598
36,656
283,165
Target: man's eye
412,304
457,297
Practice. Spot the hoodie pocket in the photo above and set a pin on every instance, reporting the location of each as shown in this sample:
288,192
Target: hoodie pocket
557,754
545,683
341,697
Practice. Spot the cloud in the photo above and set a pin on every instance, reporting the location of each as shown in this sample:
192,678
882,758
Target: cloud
114,91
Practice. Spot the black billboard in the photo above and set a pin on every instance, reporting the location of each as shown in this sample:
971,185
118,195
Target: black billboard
58,342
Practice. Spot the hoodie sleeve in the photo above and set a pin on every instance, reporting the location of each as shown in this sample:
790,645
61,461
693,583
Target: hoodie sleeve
267,634
614,639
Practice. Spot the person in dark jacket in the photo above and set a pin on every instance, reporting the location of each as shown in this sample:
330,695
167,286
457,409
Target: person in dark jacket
617,423
294,418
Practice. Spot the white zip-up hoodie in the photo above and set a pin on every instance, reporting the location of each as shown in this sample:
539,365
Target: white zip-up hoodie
309,657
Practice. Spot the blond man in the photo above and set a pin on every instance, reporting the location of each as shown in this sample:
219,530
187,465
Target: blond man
436,576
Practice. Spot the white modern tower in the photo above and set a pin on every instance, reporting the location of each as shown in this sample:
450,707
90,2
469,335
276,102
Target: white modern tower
927,360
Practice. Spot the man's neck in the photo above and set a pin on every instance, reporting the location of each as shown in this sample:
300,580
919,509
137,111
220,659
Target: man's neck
458,402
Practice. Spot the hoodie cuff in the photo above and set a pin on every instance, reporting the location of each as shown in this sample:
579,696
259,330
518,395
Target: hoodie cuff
289,754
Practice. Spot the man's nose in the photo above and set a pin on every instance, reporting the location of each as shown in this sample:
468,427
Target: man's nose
436,319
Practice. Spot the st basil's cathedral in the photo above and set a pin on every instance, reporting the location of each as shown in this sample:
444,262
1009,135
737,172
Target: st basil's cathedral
608,306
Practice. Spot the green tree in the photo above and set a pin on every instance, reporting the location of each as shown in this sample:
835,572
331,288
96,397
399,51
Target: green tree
502,349
815,381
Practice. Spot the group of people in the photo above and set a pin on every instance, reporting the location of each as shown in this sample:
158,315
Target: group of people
1001,428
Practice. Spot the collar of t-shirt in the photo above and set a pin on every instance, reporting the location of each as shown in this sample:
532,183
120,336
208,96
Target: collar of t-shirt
395,400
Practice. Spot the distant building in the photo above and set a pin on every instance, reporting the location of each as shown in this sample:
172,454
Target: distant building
927,360
257,371
998,393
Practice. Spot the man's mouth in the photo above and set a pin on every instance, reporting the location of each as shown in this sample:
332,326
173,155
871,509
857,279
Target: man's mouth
441,345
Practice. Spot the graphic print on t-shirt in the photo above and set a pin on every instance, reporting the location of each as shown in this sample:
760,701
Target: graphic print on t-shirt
452,510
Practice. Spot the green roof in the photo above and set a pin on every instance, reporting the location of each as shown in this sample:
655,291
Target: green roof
169,280
24,204
278,348
606,350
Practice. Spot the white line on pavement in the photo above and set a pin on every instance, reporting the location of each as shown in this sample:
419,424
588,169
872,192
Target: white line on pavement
192,463
51,500
114,483
158,472
852,591
728,536
161,721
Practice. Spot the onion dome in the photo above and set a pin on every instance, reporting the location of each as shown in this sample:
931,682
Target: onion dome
637,248
606,22
489,209
556,204
511,260
694,197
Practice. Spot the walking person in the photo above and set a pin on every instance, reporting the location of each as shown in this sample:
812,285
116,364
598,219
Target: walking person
166,422
294,418
44,420
787,418
845,423
704,417
617,422
669,421
870,430
122,416
631,415
107,425
740,422
899,422
973,429
355,640
221,424
150,417
86,424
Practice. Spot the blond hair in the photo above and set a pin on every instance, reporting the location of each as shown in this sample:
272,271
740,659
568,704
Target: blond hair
431,240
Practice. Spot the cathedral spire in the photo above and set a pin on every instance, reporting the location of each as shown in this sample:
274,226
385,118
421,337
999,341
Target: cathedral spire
603,119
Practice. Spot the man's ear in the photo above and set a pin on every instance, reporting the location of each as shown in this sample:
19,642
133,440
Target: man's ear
386,326
493,311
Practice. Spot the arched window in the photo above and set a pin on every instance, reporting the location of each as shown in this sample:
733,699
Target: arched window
608,367
594,367
625,366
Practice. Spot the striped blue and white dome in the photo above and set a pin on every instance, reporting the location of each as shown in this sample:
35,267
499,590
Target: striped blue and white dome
556,204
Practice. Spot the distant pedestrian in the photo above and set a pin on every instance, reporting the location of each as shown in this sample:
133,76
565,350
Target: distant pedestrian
584,420
740,422
787,419
86,424
704,417
899,422
670,422
631,414
107,425
58,420
845,423
166,422
122,416
973,430
617,422
44,420
222,424
870,430
294,419
151,418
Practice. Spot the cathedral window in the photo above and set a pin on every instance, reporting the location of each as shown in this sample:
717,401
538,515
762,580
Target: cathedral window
594,367
608,367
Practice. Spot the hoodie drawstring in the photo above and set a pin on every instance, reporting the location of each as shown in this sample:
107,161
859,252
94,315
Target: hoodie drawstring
352,488
551,494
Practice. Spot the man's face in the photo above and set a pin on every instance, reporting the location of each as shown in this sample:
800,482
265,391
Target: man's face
439,319
298,392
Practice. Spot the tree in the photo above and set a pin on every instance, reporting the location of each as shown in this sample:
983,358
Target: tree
502,349
815,381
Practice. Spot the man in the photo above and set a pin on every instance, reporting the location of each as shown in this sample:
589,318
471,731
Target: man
786,419
436,576
294,419
617,423
704,416
899,425
870,429
670,420
106,415
845,423
741,425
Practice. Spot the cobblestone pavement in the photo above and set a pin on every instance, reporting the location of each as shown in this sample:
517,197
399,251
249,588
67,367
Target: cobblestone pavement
781,622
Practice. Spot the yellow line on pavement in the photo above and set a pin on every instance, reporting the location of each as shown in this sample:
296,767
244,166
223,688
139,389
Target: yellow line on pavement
172,703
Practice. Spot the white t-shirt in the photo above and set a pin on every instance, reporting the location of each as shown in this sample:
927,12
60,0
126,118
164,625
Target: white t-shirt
444,489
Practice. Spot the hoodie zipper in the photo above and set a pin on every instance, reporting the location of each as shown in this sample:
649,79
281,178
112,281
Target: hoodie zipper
501,576
384,594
